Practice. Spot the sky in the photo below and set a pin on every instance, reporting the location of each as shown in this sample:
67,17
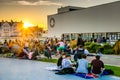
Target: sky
36,11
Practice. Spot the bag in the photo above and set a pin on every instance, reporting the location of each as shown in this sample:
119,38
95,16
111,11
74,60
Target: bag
108,72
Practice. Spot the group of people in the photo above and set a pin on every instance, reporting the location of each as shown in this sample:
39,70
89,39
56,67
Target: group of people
65,65
80,65
59,46
62,48
24,49
49,47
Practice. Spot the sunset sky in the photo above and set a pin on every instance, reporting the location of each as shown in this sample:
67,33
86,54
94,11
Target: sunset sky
36,11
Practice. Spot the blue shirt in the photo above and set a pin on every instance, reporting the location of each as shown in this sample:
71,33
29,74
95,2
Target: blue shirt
82,66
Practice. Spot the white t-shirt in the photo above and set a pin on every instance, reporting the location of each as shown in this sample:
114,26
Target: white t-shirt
66,63
86,51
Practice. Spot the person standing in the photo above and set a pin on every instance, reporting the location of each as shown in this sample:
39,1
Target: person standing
79,40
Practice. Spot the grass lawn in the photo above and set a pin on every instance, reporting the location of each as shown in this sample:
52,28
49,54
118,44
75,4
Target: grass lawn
48,60
114,68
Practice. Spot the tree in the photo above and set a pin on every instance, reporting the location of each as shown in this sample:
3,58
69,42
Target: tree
117,47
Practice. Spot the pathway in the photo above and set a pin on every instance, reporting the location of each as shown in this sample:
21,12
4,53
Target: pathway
18,69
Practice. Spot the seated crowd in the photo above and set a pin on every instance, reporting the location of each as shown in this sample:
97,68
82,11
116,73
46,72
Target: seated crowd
58,47
96,67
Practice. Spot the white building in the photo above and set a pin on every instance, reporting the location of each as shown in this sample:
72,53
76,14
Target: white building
10,30
92,22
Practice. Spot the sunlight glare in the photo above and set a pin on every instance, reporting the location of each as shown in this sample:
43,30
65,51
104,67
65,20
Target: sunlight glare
28,24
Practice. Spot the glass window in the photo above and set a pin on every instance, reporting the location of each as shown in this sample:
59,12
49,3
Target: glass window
72,36
68,37
118,35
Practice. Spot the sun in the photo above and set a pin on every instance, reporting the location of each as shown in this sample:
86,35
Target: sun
28,24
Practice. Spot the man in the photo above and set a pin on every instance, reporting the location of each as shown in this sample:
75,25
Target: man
82,66
79,52
97,65
80,41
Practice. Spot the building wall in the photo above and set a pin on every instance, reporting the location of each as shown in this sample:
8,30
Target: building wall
103,18
10,29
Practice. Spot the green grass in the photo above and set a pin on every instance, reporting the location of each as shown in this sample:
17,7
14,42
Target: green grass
48,60
114,68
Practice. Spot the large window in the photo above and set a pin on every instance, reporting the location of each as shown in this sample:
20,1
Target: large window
113,36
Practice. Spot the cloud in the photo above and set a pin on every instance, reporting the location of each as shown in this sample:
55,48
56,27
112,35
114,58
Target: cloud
38,3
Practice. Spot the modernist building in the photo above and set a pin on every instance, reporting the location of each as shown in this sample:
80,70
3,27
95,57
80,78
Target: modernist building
92,22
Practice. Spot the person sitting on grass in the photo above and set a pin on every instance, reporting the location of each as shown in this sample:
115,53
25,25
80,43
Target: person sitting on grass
97,65
47,51
66,66
82,65
59,63
68,50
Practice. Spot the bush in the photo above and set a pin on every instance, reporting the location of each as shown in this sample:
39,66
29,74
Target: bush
73,44
108,51
107,46
87,43
92,47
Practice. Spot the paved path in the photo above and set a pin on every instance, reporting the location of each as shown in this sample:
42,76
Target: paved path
109,59
19,69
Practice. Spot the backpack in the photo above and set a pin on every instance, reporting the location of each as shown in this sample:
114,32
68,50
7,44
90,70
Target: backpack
108,72
80,53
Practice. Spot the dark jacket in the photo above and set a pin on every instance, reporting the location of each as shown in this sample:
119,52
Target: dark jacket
80,41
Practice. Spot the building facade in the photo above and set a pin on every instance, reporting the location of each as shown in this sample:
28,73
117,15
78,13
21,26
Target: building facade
93,22
10,29
15,30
